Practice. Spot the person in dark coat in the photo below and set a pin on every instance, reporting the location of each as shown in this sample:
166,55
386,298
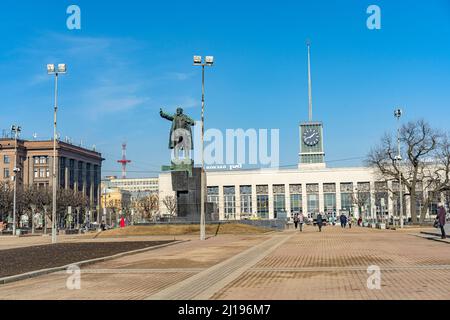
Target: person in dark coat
296,221
343,220
319,222
441,216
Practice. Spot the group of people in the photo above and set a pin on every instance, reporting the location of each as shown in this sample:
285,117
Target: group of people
299,221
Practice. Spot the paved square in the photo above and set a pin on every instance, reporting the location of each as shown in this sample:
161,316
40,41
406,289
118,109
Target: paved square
282,265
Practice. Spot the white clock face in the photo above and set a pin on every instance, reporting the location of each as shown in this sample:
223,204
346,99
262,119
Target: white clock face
311,137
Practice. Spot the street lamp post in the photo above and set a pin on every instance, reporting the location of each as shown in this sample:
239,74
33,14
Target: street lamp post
198,61
52,70
398,114
16,130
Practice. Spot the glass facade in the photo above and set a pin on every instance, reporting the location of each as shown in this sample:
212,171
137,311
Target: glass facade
229,194
329,201
80,176
262,202
62,172
296,203
246,201
213,195
347,198
313,202
279,200
295,191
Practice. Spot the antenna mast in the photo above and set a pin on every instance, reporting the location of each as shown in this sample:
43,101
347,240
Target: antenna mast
124,161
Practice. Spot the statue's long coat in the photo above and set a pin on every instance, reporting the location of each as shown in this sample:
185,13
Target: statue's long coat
179,122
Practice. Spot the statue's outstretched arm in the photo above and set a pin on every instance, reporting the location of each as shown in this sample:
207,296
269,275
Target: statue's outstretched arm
165,115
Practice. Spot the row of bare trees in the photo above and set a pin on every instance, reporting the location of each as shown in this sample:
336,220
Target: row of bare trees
148,206
424,167
31,199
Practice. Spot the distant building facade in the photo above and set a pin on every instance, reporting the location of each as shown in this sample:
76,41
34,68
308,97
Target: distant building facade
138,187
77,168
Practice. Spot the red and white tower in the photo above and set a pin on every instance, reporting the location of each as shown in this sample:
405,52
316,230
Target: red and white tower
124,161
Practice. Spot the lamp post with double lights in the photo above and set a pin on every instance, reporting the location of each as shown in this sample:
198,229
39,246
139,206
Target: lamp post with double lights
16,130
56,71
208,62
398,159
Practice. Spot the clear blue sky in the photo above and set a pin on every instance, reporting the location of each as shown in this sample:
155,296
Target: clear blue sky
132,57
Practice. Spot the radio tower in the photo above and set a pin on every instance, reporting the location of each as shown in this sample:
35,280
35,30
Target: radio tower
124,161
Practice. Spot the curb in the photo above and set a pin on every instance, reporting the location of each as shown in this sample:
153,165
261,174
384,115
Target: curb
41,272
424,235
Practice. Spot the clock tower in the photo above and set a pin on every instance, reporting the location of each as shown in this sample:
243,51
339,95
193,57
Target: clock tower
312,153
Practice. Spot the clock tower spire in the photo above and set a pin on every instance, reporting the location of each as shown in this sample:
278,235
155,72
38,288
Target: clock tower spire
308,44
311,133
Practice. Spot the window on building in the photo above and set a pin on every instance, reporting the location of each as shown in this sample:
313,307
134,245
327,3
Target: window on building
279,200
347,197
71,173
329,198
296,203
381,199
329,201
229,194
246,200
36,173
6,159
295,191
313,203
42,173
43,160
434,201
262,201
213,195
80,176
36,160
6,173
312,191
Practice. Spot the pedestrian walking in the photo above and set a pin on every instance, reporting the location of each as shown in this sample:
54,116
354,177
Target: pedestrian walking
301,220
360,222
343,220
319,222
441,217
296,221
333,220
350,221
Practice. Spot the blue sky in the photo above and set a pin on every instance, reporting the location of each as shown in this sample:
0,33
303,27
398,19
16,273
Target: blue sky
131,58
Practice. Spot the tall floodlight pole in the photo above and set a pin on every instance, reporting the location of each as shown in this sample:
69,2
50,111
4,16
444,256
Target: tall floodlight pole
198,61
16,130
51,70
398,114
308,44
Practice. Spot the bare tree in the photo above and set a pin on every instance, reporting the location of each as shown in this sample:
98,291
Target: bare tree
170,202
420,145
149,205
361,199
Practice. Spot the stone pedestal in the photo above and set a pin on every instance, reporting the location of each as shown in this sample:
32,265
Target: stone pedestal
188,193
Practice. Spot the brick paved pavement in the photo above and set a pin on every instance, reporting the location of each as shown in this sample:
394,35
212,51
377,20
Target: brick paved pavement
312,265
